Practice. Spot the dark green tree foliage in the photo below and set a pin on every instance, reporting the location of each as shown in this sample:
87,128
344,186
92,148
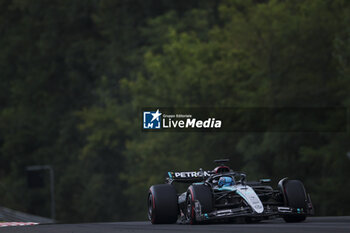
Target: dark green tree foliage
75,74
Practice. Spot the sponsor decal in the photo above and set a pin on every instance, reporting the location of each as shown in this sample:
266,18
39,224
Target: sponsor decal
193,174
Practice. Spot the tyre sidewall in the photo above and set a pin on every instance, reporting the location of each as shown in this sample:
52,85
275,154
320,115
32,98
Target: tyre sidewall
164,204
295,197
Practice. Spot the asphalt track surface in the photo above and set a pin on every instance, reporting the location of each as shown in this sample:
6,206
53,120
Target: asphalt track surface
312,224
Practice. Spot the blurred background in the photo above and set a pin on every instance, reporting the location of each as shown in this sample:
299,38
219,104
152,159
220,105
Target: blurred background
74,75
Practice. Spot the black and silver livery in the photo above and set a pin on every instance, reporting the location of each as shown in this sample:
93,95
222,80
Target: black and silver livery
223,194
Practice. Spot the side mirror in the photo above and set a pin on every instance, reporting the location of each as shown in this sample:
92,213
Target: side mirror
264,181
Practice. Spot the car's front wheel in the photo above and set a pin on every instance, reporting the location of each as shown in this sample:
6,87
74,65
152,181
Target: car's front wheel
201,193
295,195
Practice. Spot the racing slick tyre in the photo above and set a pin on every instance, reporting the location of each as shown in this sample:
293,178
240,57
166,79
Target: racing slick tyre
204,195
162,204
296,198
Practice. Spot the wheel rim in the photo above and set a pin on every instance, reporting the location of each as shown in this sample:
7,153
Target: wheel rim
150,206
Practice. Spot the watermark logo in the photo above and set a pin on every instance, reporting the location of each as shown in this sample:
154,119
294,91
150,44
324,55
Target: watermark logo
152,120
257,119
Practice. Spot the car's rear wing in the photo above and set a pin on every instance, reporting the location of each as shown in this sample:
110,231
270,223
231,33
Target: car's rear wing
188,177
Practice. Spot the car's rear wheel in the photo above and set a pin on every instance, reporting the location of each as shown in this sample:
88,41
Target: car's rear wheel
162,204
295,196
201,193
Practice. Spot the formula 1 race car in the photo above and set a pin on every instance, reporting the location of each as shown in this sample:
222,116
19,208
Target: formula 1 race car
223,194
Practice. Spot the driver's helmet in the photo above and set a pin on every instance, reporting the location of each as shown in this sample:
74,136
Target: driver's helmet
226,181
